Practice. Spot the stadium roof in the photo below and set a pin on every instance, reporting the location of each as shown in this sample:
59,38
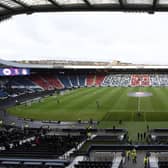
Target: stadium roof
4,63
9,8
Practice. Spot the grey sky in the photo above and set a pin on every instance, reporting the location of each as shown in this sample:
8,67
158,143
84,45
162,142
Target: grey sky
129,37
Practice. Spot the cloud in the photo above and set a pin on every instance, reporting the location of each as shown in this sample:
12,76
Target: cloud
130,37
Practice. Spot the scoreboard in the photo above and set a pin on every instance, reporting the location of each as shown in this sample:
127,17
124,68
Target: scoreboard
14,71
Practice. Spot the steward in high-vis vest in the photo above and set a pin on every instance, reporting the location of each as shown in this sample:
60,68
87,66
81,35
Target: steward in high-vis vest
145,162
133,155
128,153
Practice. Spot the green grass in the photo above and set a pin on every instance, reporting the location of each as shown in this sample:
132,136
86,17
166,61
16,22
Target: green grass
114,105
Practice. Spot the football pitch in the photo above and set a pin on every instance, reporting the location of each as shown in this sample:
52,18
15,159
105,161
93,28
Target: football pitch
103,104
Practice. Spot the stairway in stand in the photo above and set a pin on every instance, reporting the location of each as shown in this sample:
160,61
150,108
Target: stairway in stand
140,162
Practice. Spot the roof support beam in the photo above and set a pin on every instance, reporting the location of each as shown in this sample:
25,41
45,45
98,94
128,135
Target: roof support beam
152,11
121,4
87,3
21,3
54,3
155,3
28,8
6,7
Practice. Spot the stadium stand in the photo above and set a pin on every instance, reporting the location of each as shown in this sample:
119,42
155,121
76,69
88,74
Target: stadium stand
99,79
32,163
53,81
145,80
82,80
11,137
114,136
158,136
3,81
50,82
154,80
74,80
65,80
163,79
22,83
135,80
93,164
3,94
18,85
41,82
140,80
116,80
107,81
36,147
163,160
90,80
45,146
125,80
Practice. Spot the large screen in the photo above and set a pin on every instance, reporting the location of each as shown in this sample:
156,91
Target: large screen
14,71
